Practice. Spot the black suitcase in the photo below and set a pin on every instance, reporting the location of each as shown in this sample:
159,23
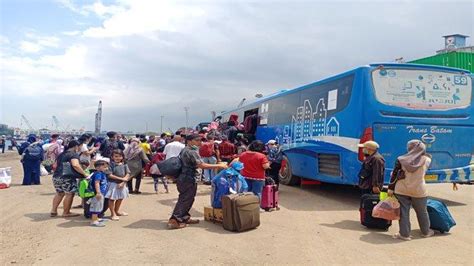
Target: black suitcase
367,204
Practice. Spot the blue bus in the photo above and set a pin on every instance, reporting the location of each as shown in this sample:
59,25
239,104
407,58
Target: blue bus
319,125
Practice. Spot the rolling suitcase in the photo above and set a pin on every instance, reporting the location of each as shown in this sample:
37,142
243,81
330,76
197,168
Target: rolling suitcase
367,204
241,212
269,197
440,218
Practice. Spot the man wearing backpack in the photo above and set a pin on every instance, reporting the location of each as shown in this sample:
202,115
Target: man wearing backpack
32,157
110,145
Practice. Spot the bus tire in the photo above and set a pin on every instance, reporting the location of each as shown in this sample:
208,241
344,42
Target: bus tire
286,175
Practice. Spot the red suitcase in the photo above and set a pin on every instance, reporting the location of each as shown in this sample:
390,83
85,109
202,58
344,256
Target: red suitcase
269,197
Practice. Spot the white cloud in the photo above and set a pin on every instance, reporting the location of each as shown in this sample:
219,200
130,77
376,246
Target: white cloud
30,47
71,33
101,10
69,4
4,40
36,43
138,17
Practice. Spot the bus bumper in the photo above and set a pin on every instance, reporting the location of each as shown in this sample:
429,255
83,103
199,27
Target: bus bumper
462,175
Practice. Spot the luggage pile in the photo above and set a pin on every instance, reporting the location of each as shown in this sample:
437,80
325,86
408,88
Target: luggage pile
234,207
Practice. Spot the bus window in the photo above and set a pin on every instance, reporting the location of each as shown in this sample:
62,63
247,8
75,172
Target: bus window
422,89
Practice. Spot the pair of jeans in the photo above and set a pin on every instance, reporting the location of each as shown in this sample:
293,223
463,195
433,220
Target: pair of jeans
187,192
419,204
209,173
274,172
256,186
156,179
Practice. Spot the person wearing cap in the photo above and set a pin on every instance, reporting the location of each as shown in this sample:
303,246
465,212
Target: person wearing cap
275,156
371,174
64,181
187,182
98,203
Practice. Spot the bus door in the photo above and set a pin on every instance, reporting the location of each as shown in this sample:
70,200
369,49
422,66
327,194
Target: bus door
251,122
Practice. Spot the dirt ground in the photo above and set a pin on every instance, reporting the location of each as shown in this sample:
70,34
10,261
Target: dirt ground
316,225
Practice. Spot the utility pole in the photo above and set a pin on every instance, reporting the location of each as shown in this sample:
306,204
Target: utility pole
186,110
161,125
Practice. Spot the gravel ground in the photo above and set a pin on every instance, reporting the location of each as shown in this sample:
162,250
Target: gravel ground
316,225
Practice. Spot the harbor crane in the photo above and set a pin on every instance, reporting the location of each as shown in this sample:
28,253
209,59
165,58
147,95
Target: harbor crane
27,122
98,119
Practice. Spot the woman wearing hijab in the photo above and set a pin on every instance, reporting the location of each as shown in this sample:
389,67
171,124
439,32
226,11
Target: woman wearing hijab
135,157
408,185
33,154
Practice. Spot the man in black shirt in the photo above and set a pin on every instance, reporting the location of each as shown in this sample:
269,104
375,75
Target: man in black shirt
187,182
371,175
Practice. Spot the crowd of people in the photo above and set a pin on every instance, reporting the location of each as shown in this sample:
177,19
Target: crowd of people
116,165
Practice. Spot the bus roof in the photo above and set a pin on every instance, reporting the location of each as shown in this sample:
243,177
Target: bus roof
337,76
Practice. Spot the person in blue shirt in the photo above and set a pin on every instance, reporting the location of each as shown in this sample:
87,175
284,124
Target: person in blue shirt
98,181
32,156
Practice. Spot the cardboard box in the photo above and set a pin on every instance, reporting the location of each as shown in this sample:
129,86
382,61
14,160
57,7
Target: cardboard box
213,215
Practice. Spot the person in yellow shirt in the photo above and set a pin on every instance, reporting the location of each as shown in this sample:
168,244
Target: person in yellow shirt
145,146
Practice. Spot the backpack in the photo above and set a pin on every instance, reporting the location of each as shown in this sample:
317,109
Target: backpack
85,188
109,148
207,149
33,152
220,187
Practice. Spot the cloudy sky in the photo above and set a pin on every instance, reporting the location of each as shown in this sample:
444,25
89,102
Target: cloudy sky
145,59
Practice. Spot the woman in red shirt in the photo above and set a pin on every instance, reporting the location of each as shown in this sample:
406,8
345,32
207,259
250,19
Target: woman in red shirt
255,164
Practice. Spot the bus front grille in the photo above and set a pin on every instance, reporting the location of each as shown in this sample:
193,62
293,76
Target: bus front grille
329,164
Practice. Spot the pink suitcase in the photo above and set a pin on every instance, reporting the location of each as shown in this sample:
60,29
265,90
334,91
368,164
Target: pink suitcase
269,197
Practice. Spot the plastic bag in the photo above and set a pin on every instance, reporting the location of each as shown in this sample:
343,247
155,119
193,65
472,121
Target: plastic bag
154,170
43,171
388,209
5,177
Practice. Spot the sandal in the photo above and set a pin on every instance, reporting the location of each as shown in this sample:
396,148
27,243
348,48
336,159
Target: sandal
71,214
53,214
115,218
398,236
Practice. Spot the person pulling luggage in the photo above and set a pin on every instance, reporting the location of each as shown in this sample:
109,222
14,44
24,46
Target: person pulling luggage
407,183
371,174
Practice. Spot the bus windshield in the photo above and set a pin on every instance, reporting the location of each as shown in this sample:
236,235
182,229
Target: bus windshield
422,89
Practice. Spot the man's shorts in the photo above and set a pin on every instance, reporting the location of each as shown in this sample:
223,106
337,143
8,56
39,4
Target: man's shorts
65,184
96,206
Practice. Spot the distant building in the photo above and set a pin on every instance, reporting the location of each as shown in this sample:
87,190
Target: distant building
455,54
